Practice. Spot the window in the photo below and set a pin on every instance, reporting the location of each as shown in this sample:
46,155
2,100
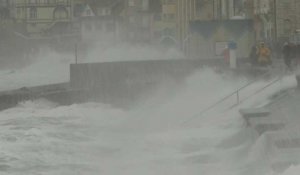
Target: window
88,26
109,27
19,12
239,8
32,1
88,12
132,19
145,22
131,3
157,17
164,16
99,26
169,17
60,13
105,11
285,5
145,5
157,34
172,17
287,26
168,32
33,13
169,1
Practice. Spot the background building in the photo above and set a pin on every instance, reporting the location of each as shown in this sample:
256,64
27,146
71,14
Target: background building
287,18
101,21
276,20
167,22
265,26
165,25
137,18
176,16
44,18
213,24
4,10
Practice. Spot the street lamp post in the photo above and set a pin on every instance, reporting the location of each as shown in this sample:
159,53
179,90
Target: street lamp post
275,20
186,39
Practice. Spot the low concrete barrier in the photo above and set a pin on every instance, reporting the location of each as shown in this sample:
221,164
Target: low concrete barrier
110,82
113,74
117,81
60,93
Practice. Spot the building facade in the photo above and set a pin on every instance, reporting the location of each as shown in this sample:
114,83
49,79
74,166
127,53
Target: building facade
44,17
265,21
276,20
287,18
165,25
4,10
212,24
138,18
171,27
100,23
176,15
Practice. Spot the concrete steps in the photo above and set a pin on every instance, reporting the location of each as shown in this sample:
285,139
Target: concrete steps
285,158
285,145
261,120
285,138
281,131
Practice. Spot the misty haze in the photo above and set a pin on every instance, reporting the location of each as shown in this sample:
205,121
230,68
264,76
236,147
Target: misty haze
149,87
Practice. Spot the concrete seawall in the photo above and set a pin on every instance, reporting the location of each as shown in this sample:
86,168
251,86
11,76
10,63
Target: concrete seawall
125,82
55,92
110,74
112,82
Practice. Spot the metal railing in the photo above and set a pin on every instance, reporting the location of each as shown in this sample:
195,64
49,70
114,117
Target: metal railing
237,94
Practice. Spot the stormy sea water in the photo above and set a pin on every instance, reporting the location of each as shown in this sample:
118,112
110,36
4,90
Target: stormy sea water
165,135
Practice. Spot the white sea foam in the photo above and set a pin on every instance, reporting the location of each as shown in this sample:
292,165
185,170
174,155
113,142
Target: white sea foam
166,134
293,170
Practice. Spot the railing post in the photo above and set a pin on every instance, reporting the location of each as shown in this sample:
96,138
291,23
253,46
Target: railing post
76,53
237,97
298,80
